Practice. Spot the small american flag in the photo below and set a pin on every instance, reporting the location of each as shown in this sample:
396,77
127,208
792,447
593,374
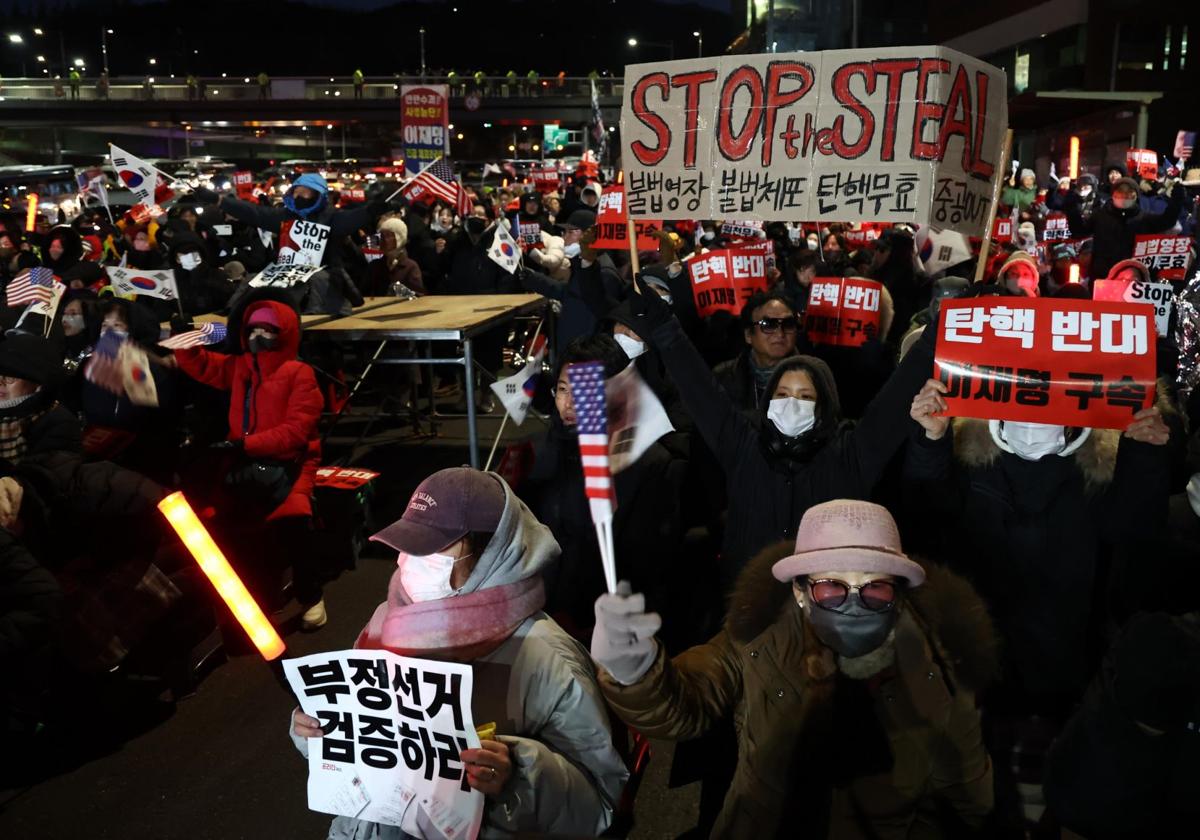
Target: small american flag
102,367
438,182
591,413
33,285
210,333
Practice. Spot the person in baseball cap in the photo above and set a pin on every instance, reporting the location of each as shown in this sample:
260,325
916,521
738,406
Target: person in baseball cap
444,508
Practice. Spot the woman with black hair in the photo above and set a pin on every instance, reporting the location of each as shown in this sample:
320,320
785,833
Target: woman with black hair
802,452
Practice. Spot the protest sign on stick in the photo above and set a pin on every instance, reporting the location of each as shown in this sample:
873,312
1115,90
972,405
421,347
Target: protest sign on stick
1080,363
724,279
842,311
905,134
394,729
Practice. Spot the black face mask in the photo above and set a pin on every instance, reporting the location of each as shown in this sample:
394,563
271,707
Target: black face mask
259,343
852,630
475,227
304,203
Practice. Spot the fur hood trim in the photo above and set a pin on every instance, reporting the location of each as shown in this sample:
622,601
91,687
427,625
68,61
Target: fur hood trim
1097,458
946,606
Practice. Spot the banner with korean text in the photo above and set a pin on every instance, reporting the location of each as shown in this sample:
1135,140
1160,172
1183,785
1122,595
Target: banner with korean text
1066,362
905,134
842,311
612,230
724,279
424,124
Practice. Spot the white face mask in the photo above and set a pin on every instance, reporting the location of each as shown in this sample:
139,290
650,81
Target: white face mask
813,245
792,417
1085,191
426,577
1123,203
1034,441
571,250
189,262
708,236
632,347
1193,492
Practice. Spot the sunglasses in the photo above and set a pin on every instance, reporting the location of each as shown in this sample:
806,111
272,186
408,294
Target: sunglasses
770,325
875,595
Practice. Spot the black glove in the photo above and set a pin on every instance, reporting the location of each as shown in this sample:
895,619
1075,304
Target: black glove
229,445
206,196
648,309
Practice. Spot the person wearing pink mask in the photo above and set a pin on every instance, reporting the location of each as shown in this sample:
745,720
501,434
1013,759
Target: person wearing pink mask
468,588
1114,225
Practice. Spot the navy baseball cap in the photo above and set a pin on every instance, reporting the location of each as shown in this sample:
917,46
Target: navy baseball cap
445,508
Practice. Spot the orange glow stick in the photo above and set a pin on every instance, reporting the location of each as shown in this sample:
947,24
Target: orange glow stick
1073,273
31,211
228,585
1074,165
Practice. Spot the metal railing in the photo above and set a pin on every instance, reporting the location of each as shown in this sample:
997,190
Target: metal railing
247,88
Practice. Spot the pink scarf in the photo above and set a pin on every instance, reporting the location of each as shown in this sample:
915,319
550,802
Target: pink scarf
459,628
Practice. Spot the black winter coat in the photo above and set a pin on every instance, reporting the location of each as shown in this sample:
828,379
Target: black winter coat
645,525
1113,230
769,495
29,603
1032,534
341,223
468,270
587,296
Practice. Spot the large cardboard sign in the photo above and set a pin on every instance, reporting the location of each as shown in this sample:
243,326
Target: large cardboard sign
908,134
1047,360
302,242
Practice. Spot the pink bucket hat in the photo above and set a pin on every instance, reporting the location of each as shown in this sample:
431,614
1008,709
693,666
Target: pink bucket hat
848,536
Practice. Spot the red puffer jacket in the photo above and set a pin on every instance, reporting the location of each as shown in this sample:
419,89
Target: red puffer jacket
282,398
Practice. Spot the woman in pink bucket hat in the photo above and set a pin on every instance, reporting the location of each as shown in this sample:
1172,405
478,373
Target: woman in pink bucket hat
851,672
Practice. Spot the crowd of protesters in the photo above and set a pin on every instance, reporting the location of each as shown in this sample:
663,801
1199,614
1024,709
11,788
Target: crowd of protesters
857,617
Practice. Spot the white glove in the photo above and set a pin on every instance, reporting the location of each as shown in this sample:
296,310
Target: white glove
623,639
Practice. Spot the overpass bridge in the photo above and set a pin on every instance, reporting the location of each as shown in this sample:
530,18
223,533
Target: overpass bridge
227,101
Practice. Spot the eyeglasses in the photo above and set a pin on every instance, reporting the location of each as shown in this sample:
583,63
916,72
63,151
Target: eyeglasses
770,325
875,595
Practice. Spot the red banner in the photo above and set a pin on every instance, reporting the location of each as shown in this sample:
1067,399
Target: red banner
723,280
1163,251
1057,229
545,178
867,233
243,183
343,478
1142,163
1002,230
612,230
528,234
842,311
354,194
424,122
1067,362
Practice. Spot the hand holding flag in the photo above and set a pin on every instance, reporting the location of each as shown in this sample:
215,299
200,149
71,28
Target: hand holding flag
591,413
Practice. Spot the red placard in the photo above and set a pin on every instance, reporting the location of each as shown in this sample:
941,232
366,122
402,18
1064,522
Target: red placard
612,230
528,234
1057,229
842,311
1142,163
1002,230
1068,362
243,184
867,233
1163,251
723,280
344,478
545,178
354,194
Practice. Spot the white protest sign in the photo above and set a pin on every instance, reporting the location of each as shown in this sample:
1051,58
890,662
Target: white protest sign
905,134
301,242
395,727
1160,295
133,281
283,276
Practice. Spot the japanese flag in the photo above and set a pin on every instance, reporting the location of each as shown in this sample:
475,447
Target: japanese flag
504,251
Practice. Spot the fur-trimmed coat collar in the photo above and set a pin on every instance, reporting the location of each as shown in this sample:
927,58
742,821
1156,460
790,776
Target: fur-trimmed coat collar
946,605
1096,458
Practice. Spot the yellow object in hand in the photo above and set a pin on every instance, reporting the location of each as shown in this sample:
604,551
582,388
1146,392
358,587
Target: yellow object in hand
486,732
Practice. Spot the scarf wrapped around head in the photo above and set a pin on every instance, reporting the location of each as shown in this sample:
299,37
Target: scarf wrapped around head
504,589
16,416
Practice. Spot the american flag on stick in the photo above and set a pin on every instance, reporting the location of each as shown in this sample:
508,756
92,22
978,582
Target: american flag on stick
209,333
33,285
591,417
437,181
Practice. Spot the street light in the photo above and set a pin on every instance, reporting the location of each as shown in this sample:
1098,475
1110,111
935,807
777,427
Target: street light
633,42
38,31
154,61
14,38
669,46
421,31
699,36
78,62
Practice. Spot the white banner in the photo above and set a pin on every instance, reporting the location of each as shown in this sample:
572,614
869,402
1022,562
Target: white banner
905,134
302,243
394,728
284,276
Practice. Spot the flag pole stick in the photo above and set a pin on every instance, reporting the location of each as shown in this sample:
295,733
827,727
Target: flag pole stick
495,443
408,181
985,246
631,232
